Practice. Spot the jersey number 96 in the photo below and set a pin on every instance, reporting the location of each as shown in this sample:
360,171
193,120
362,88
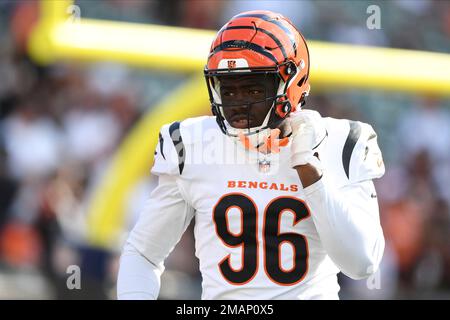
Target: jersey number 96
272,239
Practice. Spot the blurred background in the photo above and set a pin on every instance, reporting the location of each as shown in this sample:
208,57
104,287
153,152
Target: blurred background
60,125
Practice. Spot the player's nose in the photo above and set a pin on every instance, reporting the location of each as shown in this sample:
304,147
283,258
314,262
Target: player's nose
239,109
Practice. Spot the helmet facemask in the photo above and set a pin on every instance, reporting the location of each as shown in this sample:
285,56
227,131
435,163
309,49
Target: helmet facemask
273,103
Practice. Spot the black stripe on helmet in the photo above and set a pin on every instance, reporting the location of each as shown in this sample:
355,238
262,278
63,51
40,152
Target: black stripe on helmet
270,34
274,21
241,44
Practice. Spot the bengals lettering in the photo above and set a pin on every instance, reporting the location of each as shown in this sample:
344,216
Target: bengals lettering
261,185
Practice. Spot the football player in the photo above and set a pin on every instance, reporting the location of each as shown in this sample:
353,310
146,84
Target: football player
283,223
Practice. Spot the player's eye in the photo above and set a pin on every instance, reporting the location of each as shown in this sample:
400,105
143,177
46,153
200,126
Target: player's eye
255,92
229,94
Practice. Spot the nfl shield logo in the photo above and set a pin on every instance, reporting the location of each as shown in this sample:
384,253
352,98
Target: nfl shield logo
264,166
231,64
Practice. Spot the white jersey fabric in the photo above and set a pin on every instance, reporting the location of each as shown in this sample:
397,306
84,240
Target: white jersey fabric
258,233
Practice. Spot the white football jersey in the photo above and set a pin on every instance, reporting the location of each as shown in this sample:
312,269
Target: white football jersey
254,233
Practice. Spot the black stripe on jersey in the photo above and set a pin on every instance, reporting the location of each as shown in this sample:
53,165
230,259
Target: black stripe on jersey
175,135
352,138
161,143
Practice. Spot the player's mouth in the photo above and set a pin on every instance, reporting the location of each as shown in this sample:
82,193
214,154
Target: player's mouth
241,121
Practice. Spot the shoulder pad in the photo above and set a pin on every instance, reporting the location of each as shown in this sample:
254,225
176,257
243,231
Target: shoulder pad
170,151
198,129
176,143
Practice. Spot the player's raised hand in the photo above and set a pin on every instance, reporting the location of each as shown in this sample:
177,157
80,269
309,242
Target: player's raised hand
308,130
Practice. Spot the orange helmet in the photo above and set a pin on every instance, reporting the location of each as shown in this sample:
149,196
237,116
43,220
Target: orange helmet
260,42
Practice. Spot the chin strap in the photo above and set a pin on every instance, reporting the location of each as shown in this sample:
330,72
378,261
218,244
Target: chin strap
270,144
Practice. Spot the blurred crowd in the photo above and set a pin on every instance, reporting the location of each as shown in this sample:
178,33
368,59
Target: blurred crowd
60,126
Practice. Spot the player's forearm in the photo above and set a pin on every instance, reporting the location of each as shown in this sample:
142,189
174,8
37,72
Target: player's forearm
349,229
138,278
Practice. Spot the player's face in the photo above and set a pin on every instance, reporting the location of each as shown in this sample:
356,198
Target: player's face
244,99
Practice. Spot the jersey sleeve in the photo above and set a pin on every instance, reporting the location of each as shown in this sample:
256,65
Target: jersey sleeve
348,224
167,212
169,152
162,222
363,161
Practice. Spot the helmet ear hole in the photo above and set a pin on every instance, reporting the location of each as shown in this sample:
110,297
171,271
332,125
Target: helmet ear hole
290,69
